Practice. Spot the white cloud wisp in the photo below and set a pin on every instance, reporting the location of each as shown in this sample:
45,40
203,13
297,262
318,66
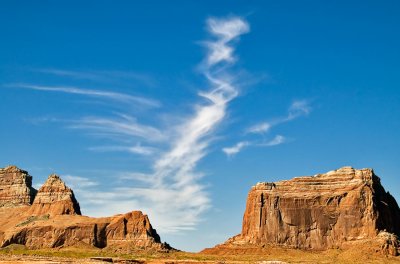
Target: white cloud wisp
124,127
173,190
236,148
170,191
110,76
297,109
277,140
260,128
175,178
136,149
121,97
225,30
231,151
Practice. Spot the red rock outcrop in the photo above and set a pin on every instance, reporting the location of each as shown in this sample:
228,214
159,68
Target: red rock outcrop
15,187
54,198
131,231
320,212
54,219
133,226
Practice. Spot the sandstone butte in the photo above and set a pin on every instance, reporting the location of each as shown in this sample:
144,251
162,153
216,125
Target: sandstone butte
51,217
339,209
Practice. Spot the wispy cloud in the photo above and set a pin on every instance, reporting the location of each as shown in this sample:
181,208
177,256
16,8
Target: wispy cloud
277,140
136,176
236,148
100,75
175,175
77,182
225,30
41,120
122,127
137,149
231,151
297,109
260,128
126,98
172,188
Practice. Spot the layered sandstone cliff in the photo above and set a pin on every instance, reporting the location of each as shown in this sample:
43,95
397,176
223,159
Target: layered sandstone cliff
54,198
15,187
131,231
52,218
321,212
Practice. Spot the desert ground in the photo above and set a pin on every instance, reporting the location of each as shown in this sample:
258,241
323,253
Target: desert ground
19,254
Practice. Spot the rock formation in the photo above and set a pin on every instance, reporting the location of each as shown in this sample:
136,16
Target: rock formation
15,187
55,198
320,212
52,218
131,231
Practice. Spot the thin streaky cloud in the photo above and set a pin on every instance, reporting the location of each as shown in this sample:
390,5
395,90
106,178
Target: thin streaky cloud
101,75
136,176
174,190
77,182
260,128
277,140
41,120
119,127
230,151
73,74
89,92
137,149
297,109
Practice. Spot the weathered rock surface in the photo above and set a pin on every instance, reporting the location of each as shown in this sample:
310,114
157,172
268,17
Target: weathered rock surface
133,226
15,187
54,219
55,198
128,231
320,212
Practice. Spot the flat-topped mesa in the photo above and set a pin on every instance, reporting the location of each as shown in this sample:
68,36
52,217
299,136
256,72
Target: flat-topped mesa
55,198
319,212
15,187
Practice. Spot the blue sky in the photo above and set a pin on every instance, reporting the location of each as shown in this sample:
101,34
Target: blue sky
178,108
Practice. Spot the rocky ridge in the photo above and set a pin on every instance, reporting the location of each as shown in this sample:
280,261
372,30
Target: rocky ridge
51,217
319,212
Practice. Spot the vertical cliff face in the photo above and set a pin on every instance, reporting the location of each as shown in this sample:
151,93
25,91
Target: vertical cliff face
321,211
55,198
15,187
